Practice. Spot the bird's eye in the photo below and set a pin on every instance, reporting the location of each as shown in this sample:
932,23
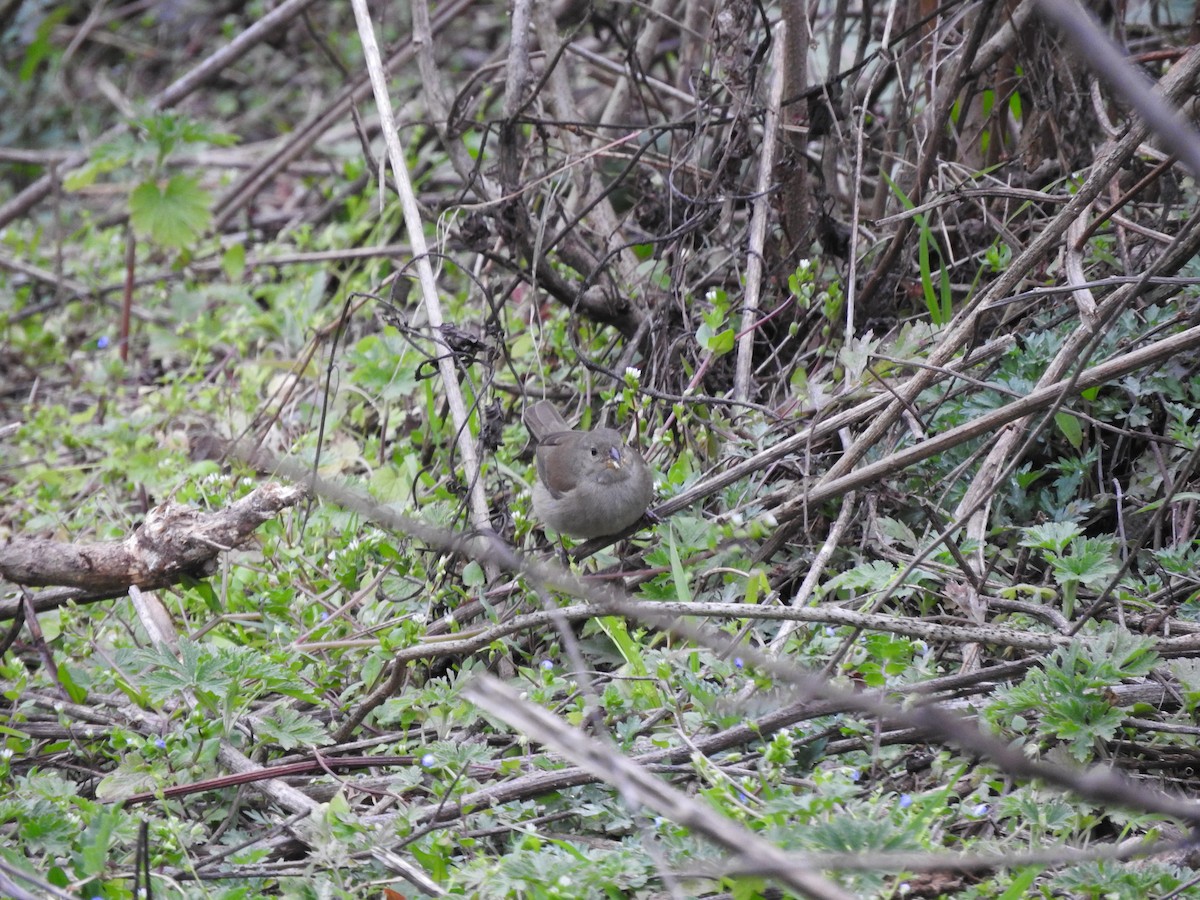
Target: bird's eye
594,451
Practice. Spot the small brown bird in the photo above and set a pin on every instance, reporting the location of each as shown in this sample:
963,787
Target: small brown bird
589,483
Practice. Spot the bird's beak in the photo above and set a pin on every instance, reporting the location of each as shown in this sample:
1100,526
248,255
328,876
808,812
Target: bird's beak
614,458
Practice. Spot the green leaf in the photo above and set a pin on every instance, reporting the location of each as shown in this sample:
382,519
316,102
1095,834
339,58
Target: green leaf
1090,561
1050,535
757,585
1081,722
473,575
108,157
290,729
167,129
51,623
124,783
208,594
233,262
1070,427
716,342
95,843
1182,496
174,215
42,45
683,590
897,531
67,678
644,689
940,307
1021,884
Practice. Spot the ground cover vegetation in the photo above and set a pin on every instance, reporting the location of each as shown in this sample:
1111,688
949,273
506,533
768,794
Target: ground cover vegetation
898,300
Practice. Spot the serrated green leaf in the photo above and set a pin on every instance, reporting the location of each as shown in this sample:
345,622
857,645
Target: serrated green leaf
97,840
290,729
174,215
1050,535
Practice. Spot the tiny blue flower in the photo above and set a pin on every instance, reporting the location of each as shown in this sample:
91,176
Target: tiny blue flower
101,343
981,809
739,662
905,801
428,760
547,665
160,743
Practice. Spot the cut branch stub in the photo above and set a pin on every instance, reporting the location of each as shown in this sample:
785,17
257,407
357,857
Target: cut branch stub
174,542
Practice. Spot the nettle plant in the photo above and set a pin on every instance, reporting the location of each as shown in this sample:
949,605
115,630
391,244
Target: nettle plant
170,210
1068,699
1075,561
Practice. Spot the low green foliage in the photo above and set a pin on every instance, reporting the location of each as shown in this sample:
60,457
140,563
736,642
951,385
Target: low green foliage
1067,698
171,211
277,651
